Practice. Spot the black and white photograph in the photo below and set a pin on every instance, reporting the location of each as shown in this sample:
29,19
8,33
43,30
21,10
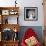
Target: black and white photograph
31,13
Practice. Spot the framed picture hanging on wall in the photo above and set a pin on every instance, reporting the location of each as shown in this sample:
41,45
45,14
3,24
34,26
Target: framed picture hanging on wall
30,13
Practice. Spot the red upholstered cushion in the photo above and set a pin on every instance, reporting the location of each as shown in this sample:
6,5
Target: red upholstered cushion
29,33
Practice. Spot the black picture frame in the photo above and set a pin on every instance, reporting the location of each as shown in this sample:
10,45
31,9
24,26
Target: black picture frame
30,13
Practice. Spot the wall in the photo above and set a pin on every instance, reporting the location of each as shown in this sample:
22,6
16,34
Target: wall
26,3
31,3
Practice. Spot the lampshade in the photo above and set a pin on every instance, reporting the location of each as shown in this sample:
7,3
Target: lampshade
15,30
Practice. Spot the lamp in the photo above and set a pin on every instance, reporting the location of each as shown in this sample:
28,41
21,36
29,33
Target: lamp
15,30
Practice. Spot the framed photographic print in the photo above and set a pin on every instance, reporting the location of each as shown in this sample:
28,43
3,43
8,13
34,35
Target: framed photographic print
31,13
13,12
5,12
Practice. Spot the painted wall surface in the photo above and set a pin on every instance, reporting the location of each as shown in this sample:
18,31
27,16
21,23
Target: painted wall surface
31,3
26,3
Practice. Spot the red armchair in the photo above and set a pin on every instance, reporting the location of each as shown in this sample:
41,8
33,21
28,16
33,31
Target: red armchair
28,34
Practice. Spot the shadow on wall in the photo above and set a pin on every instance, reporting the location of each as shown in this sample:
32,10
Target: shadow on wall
37,29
